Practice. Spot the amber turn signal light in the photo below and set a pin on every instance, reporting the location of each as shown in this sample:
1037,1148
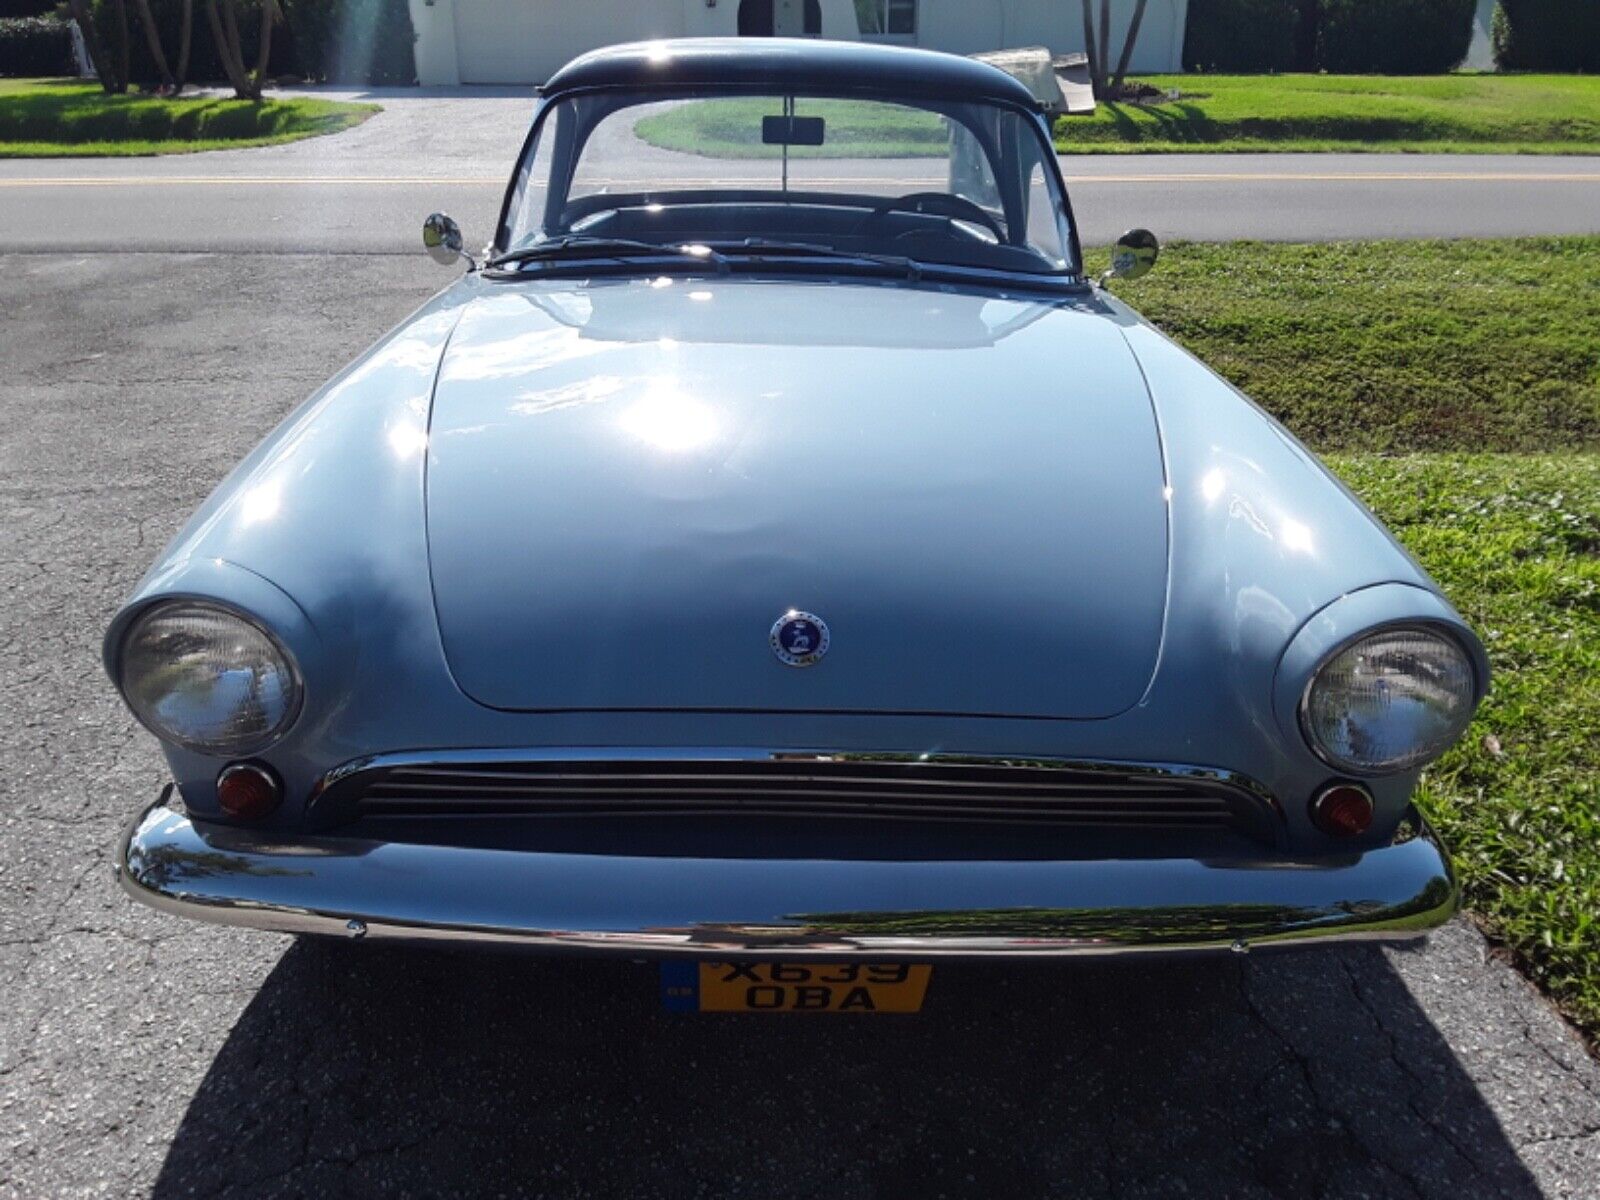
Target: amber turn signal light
1342,810
248,791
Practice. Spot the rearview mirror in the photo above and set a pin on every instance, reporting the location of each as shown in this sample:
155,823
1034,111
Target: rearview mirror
792,131
1134,255
441,237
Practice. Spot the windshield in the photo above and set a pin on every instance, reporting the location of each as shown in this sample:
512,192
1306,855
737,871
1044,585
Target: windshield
937,183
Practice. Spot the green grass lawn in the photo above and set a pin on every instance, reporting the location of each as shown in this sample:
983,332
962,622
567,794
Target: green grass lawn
1514,540
1426,369
1545,114
49,118
1398,346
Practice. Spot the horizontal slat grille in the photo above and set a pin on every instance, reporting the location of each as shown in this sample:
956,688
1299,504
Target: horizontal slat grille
809,787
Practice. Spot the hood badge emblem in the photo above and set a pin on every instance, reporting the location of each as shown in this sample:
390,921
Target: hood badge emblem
799,639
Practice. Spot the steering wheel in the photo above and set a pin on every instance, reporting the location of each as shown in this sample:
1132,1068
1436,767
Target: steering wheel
955,207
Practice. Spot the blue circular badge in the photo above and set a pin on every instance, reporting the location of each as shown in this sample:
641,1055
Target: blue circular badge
798,638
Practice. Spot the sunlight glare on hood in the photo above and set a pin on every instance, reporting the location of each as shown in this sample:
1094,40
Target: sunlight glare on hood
261,503
669,420
1295,537
406,440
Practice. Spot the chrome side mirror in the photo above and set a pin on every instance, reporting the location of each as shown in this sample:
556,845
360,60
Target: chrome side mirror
441,237
1134,255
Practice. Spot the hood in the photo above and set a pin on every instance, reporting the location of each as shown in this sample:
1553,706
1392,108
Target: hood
629,482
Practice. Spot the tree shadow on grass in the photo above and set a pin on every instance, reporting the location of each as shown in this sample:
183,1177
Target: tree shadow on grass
374,1070
1188,123
1169,121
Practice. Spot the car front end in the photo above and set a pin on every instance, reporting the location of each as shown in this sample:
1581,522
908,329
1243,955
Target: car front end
756,599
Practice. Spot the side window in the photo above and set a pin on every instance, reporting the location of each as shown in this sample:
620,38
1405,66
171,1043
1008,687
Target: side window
1042,231
533,187
894,19
1046,223
971,173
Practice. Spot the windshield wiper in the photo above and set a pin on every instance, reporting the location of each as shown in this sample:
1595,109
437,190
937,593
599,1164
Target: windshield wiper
580,246
911,267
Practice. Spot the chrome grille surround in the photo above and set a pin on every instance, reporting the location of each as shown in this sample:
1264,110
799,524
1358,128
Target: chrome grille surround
622,783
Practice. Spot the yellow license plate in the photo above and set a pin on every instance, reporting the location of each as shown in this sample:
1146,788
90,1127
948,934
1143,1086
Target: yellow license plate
794,987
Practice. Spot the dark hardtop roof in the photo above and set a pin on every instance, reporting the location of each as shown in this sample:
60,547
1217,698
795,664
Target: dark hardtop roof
789,65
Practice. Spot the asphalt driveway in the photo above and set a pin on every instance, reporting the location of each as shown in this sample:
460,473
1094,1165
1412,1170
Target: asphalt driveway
142,1055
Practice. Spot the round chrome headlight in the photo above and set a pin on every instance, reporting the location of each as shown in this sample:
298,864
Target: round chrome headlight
208,679
1390,701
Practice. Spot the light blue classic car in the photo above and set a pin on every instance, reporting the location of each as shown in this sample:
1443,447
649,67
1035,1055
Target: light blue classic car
776,550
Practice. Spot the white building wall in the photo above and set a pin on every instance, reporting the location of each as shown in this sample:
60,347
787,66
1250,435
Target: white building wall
1480,51
972,26
526,41
434,23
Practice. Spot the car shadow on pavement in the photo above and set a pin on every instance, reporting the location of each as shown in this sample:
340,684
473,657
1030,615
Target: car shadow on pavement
362,1069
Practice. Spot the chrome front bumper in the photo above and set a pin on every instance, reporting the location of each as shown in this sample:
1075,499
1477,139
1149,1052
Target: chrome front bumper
721,907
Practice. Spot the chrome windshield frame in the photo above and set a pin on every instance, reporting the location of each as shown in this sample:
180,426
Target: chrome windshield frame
1072,276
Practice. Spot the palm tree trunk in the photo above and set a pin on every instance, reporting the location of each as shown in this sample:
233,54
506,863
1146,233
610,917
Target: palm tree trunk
124,45
1088,45
185,38
264,51
152,38
99,58
1127,47
230,24
227,51
1105,45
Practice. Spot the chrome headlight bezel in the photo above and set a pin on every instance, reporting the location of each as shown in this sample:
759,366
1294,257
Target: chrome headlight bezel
1422,754
217,746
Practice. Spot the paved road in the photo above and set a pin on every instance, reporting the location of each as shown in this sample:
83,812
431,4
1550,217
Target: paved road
141,1055
368,189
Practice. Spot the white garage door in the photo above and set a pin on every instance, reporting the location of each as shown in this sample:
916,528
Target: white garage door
526,41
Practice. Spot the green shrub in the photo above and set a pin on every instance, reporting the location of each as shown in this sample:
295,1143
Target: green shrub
1547,35
27,8
1394,37
35,46
353,41
60,115
1241,35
